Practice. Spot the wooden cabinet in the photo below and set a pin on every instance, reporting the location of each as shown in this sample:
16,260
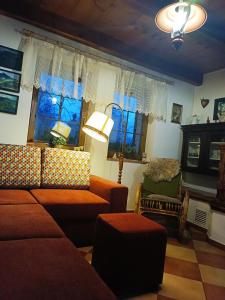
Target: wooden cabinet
200,153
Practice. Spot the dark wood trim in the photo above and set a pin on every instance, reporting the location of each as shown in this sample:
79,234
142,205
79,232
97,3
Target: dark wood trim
207,239
214,243
144,131
35,15
84,115
189,224
205,132
126,160
218,206
33,109
206,126
199,195
31,128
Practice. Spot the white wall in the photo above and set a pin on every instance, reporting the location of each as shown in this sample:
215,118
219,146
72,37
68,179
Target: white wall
163,139
13,128
213,87
217,227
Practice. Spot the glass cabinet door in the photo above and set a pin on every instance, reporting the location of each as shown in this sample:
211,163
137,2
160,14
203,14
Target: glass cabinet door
214,152
193,152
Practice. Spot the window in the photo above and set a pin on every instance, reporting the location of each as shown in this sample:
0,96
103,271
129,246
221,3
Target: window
48,108
135,134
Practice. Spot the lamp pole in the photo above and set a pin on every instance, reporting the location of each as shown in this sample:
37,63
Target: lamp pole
121,153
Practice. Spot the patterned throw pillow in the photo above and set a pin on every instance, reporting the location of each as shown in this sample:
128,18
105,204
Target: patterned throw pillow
65,169
20,166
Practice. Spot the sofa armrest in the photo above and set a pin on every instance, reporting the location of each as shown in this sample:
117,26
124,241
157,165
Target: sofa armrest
113,192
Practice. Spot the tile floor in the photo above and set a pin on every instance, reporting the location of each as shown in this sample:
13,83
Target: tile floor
193,271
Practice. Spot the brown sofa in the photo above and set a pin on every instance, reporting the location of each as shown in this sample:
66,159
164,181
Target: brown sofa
37,260
60,181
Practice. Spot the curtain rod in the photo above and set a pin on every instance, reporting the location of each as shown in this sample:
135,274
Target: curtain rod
104,60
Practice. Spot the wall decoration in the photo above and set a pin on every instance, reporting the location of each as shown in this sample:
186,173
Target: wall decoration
11,58
177,113
219,110
8,103
9,81
204,102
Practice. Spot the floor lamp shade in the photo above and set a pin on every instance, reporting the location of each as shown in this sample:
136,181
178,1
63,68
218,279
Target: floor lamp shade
61,129
98,126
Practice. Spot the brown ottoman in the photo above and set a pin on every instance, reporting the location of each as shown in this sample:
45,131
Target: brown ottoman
129,252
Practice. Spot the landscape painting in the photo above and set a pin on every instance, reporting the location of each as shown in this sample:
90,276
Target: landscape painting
11,58
9,81
8,103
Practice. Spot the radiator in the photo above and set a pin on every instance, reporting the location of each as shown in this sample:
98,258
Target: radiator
198,213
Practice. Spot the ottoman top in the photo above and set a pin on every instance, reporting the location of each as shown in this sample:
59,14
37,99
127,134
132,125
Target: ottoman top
131,223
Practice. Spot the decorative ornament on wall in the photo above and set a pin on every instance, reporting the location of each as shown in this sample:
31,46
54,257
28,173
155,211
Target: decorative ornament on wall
204,102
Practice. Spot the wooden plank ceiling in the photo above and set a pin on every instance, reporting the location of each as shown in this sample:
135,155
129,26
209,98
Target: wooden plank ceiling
126,28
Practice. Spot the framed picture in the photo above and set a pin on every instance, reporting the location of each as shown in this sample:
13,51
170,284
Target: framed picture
8,103
219,109
176,116
11,58
9,81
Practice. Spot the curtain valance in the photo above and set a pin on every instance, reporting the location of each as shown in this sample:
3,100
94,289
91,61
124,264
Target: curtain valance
137,92
58,70
72,74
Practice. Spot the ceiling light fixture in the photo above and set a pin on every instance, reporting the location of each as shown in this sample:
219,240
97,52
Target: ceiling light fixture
179,18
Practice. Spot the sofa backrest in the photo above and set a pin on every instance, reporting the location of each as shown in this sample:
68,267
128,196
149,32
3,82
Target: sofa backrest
65,169
20,166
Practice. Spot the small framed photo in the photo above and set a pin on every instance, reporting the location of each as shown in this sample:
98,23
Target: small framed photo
219,109
9,81
176,116
11,58
8,103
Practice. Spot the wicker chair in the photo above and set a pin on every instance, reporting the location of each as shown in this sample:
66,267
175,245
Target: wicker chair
163,198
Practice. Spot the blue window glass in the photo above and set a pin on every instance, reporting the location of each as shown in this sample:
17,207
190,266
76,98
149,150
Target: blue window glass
133,124
52,108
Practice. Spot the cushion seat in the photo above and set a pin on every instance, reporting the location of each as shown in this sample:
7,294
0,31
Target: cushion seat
27,221
130,223
71,204
16,197
47,269
156,197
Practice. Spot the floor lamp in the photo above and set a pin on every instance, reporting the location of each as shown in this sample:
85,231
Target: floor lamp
61,131
99,126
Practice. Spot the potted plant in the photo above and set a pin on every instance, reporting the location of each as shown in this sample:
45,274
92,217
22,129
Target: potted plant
58,142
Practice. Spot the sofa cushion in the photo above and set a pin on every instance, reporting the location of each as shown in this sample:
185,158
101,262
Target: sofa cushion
27,221
20,166
48,269
71,204
16,197
65,169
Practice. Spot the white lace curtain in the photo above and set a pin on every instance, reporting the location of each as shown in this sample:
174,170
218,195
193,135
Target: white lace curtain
58,70
137,92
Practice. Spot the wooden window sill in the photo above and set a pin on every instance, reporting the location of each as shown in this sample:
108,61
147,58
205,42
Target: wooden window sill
135,161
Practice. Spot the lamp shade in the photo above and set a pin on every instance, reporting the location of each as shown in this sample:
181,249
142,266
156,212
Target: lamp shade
169,15
61,129
98,126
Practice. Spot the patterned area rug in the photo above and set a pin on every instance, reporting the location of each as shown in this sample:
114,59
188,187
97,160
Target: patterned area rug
194,271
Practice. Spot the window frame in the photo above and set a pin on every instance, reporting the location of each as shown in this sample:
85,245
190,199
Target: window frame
31,127
143,135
